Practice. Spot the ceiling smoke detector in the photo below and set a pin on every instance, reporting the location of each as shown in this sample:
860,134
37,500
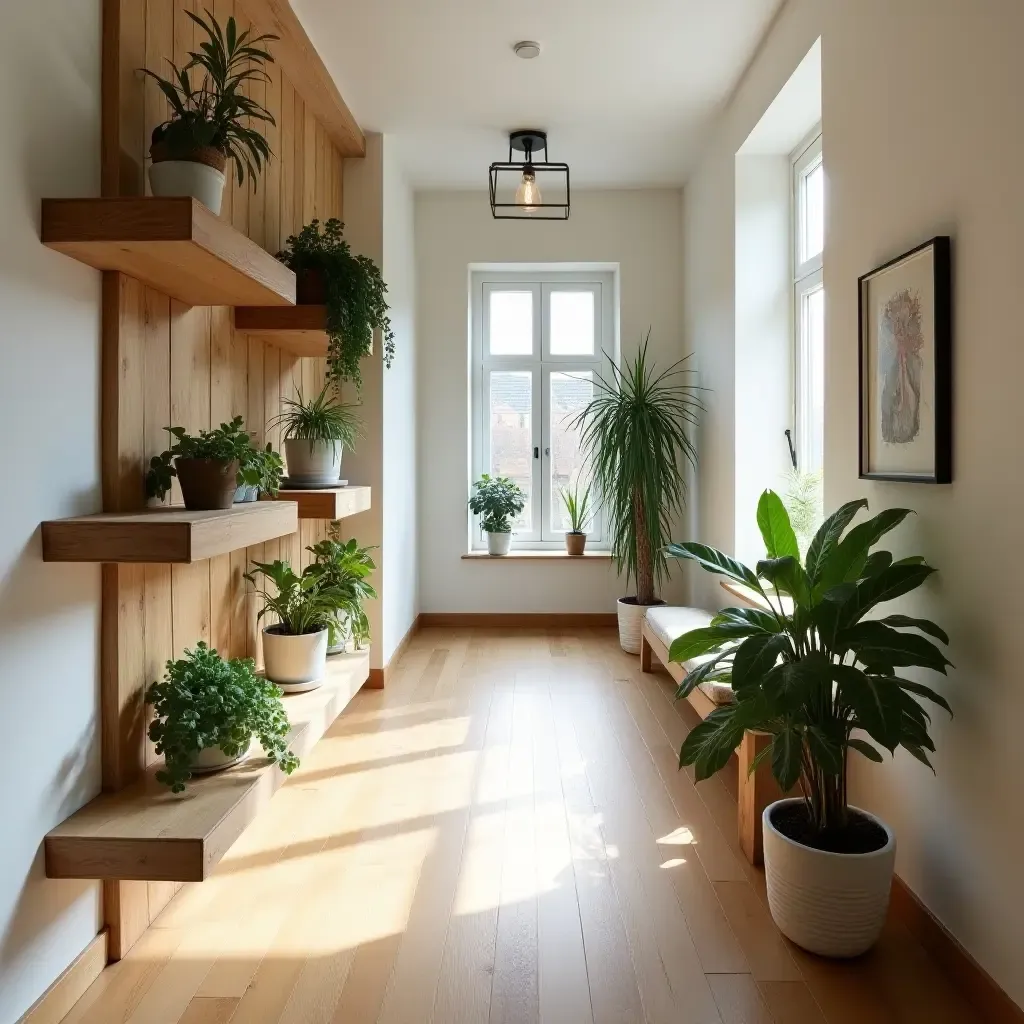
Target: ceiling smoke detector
527,49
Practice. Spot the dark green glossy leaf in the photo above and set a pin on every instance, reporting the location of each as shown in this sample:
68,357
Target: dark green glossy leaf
766,621
851,554
926,692
875,701
700,673
877,644
827,537
776,530
756,656
876,563
787,748
826,751
787,575
708,638
714,561
709,745
909,622
866,749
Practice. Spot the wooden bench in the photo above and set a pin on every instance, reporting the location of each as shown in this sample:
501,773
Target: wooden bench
754,791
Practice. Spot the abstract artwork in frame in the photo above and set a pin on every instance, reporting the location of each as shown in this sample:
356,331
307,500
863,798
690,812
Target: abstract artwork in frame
905,326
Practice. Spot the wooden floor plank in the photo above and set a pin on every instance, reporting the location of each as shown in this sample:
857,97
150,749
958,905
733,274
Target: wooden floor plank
739,999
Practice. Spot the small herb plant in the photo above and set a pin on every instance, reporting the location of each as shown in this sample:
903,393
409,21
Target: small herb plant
355,296
214,111
344,566
579,506
498,501
258,467
303,603
205,701
320,419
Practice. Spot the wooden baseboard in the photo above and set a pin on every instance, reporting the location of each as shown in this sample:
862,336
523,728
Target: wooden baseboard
520,620
56,1002
977,986
378,677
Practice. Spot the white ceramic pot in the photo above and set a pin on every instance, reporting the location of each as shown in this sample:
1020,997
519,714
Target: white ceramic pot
498,543
631,621
832,904
295,663
343,635
313,462
213,759
188,178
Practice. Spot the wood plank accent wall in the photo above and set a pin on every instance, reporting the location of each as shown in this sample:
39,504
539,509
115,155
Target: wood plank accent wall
165,363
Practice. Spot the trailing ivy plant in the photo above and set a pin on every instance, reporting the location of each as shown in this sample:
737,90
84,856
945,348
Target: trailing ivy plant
498,501
355,296
205,701
344,566
214,110
258,467
817,675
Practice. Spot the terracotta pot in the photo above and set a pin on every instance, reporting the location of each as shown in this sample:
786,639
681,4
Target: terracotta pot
575,543
207,483
310,288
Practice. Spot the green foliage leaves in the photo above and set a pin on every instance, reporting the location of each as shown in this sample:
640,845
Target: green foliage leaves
773,522
355,292
323,418
715,562
578,505
204,701
303,603
498,501
343,567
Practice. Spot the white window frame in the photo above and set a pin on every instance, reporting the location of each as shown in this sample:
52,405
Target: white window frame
807,279
541,363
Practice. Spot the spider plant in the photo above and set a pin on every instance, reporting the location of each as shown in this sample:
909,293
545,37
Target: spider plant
634,431
320,419
579,507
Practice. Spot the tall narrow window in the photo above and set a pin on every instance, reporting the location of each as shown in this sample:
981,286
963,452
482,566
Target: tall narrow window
539,339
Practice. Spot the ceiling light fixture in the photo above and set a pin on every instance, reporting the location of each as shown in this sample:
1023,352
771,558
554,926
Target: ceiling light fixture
527,49
515,185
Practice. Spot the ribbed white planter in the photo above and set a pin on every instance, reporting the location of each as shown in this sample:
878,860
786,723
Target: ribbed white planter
498,543
313,462
295,663
213,759
832,904
188,178
631,620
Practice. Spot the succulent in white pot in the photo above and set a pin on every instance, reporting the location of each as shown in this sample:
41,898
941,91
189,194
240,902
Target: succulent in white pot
823,680
316,434
498,501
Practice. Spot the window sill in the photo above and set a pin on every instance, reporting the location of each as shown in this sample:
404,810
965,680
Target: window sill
538,553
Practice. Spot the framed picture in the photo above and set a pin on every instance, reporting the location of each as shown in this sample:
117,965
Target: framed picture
906,407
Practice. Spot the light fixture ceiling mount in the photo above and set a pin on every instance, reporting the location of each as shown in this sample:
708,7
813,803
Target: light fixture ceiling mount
527,49
515,185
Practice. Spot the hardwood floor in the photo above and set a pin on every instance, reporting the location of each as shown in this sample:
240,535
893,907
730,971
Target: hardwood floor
500,835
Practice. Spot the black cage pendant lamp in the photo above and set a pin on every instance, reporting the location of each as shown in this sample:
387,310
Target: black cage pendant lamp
529,189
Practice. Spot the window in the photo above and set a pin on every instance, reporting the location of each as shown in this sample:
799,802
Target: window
809,304
538,341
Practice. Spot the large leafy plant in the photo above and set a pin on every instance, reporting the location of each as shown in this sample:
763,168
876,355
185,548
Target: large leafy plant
258,467
303,603
323,418
345,566
205,701
213,110
811,669
498,501
635,433
356,296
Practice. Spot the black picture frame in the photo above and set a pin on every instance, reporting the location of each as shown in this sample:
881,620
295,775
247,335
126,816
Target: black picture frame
942,399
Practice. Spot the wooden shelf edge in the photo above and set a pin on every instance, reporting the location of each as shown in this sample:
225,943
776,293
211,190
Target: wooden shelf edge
328,503
301,330
69,853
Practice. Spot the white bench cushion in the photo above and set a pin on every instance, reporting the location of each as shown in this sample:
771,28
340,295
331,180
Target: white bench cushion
668,622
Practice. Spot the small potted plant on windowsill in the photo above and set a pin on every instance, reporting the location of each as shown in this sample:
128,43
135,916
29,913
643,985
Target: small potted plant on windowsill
344,566
295,648
316,434
813,676
211,466
212,120
329,274
498,501
207,712
581,515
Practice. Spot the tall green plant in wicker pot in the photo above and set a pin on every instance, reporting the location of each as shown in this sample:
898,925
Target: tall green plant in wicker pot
635,433
823,679
212,119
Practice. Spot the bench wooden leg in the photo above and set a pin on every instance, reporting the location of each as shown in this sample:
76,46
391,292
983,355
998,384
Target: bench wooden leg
755,793
646,654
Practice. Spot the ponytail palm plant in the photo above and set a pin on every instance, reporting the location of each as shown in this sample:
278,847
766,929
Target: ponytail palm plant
817,672
634,431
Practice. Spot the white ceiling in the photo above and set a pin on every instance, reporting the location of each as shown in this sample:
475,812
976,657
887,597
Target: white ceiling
625,88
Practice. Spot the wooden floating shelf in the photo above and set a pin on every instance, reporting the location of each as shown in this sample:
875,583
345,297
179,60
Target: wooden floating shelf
170,534
329,503
146,833
301,330
175,245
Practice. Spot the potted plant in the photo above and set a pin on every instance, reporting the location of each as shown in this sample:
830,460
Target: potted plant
211,466
634,431
316,434
212,119
498,501
295,647
813,677
261,470
329,274
344,566
580,517
207,712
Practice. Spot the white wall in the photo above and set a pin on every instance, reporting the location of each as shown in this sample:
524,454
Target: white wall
49,418
640,231
400,526
924,136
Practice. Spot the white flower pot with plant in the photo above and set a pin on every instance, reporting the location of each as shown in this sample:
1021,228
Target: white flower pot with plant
498,501
316,435
581,513
207,711
635,434
812,673
345,566
295,647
